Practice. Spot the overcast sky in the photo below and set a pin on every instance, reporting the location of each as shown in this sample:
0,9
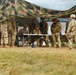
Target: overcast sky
54,4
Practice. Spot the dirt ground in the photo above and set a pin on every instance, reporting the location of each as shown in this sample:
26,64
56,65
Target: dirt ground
37,49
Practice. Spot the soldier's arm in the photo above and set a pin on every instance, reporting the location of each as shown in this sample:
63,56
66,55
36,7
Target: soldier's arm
46,26
20,31
39,32
51,28
60,27
69,27
0,26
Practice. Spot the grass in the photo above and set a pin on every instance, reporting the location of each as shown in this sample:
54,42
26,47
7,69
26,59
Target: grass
37,61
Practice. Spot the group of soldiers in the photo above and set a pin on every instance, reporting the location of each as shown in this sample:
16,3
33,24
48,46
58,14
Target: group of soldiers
9,34
70,32
42,28
56,29
35,28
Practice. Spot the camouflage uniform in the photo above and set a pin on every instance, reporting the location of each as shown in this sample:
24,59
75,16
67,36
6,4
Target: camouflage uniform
32,26
11,32
44,30
71,32
43,27
56,30
23,30
37,30
20,34
4,34
32,30
33,39
0,33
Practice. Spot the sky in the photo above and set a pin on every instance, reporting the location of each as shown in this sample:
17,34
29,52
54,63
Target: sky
54,4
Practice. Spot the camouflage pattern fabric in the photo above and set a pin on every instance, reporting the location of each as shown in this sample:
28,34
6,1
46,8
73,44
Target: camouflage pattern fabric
43,27
37,39
21,8
71,32
72,27
33,39
22,31
32,27
4,33
67,13
56,30
11,31
37,30
20,34
56,36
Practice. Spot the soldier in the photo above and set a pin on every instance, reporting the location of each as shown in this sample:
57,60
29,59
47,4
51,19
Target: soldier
12,32
33,39
37,30
56,30
4,34
32,26
21,32
71,31
43,26
44,30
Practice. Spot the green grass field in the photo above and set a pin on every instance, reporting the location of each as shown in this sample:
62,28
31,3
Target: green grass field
37,61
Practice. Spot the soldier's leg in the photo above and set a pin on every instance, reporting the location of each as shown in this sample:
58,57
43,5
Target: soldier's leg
54,40
47,41
2,41
29,41
38,41
41,41
58,40
13,39
74,38
33,40
25,41
9,39
6,39
70,43
0,37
